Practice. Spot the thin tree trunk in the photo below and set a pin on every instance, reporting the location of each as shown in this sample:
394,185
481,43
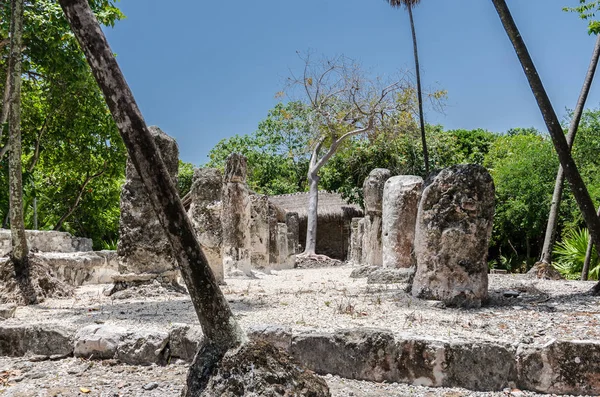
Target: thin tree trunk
19,242
550,236
221,330
582,196
70,211
419,91
588,257
312,214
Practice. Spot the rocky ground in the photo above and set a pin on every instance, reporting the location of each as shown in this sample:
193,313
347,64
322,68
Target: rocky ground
76,377
520,310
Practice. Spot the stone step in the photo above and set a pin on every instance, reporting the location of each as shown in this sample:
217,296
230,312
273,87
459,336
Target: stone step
559,367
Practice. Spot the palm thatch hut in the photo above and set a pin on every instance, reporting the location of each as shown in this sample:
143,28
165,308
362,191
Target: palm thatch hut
334,216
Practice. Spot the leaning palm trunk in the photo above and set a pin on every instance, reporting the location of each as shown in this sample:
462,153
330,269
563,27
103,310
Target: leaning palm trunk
17,227
419,91
550,236
582,196
221,330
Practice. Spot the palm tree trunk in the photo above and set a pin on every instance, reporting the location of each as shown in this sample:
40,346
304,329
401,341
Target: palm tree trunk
221,330
582,196
550,236
419,91
20,249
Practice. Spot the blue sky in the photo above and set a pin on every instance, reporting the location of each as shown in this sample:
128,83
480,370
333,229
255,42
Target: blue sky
207,70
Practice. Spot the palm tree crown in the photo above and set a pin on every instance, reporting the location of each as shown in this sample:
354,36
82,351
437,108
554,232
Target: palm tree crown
405,3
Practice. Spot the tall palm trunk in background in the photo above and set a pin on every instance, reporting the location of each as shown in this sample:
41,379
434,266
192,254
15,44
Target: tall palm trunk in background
19,243
550,236
580,192
409,4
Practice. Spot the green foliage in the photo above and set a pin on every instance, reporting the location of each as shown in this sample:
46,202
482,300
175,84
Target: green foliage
184,178
276,152
68,133
587,11
570,255
523,166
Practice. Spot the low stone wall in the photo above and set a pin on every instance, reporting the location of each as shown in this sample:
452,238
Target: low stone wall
560,367
47,241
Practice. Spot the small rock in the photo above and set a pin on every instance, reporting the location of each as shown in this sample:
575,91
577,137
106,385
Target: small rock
37,358
511,294
7,310
150,386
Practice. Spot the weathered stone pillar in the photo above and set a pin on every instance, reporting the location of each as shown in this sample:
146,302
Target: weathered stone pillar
235,216
401,196
143,248
273,238
205,214
282,242
357,231
259,232
293,227
372,251
454,225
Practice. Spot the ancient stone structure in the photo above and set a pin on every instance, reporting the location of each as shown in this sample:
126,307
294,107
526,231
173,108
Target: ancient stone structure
282,246
401,196
372,249
47,241
205,214
454,225
259,232
235,218
293,228
357,231
273,238
143,247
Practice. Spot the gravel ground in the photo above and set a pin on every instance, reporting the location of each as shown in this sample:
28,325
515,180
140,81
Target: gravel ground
308,299
328,300
77,377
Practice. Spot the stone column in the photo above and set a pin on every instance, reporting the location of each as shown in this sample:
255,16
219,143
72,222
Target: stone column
273,238
282,249
205,214
357,231
259,232
293,227
454,226
401,196
235,218
372,251
144,251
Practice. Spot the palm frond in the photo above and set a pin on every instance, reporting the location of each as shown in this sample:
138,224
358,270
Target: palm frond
405,3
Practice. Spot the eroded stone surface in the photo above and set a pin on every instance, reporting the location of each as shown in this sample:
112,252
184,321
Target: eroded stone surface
277,335
372,248
357,231
143,246
79,268
259,232
401,196
390,275
293,228
235,217
454,225
47,241
561,367
184,341
205,214
45,340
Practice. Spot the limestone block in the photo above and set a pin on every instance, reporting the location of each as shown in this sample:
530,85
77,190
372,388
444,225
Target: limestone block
401,196
185,340
259,232
357,231
143,246
235,218
293,227
26,339
282,242
454,225
277,335
372,248
561,367
205,214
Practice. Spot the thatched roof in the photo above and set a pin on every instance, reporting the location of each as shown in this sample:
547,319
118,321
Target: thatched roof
331,205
